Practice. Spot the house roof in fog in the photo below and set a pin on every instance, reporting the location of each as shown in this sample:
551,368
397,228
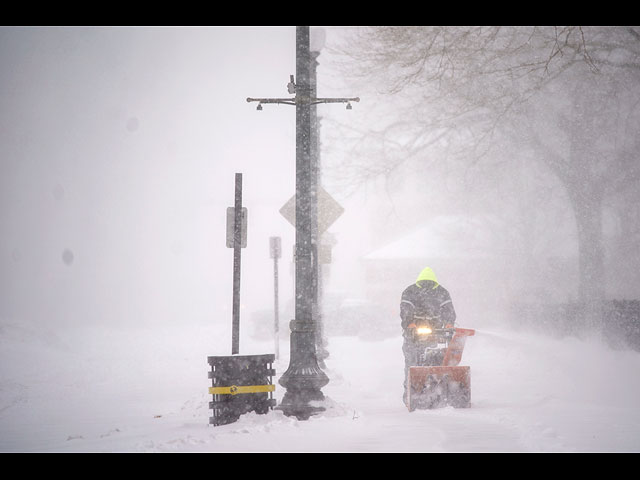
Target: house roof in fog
450,236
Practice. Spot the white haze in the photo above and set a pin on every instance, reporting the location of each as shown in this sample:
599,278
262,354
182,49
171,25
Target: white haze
118,150
119,147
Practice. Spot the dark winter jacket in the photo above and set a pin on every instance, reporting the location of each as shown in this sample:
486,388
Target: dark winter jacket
426,297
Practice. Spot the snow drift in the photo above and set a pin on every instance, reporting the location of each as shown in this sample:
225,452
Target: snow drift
98,389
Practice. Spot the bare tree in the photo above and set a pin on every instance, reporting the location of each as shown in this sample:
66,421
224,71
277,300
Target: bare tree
569,93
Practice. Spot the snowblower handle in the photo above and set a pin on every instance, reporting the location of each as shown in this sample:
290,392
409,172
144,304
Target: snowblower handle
465,332
456,346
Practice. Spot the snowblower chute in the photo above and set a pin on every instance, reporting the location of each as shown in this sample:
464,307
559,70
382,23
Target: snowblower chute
439,381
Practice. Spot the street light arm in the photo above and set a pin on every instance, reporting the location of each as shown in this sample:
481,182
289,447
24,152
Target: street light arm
312,101
288,101
334,100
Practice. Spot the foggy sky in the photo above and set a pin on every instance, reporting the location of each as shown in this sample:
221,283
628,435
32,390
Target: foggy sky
118,148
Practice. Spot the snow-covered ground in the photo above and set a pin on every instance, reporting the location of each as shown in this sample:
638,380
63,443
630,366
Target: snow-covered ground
96,389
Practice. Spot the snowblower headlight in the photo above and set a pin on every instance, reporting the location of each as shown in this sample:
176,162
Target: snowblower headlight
424,330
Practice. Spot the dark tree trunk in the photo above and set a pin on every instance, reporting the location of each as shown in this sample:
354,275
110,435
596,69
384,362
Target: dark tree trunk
587,202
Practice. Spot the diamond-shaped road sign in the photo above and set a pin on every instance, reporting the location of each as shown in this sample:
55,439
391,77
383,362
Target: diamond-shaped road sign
328,210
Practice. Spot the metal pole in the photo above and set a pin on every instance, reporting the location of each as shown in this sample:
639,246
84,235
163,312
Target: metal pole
304,253
322,352
237,234
275,252
303,379
276,309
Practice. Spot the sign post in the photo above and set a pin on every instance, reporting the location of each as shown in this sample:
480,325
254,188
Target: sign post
275,252
239,383
237,230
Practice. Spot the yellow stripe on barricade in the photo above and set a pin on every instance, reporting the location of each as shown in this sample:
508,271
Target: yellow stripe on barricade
236,389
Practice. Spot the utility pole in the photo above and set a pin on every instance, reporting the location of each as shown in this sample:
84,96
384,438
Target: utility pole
304,379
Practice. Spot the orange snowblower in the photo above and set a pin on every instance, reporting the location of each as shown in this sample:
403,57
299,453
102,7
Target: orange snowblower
438,380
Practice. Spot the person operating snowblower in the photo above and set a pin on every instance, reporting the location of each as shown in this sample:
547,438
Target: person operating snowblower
432,346
425,299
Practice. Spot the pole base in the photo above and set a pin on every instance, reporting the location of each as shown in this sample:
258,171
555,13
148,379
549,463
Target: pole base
304,379
302,404
303,397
